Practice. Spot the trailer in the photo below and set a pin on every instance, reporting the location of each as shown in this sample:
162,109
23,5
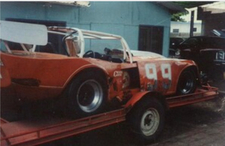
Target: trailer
33,132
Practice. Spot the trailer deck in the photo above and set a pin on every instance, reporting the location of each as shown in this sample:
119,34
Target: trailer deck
34,132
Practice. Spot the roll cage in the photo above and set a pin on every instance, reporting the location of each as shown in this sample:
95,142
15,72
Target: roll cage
31,35
79,35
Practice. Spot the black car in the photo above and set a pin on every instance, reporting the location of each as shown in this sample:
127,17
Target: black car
208,52
174,43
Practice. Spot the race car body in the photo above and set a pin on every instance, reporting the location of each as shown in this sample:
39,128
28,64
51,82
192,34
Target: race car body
4,76
89,78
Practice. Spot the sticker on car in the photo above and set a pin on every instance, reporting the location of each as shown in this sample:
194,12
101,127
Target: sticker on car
166,73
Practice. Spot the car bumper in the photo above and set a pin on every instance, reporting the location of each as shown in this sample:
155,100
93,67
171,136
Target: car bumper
220,64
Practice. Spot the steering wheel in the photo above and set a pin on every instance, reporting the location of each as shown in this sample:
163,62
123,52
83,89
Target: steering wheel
89,53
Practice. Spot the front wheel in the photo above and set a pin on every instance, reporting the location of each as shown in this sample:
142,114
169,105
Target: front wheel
147,119
187,82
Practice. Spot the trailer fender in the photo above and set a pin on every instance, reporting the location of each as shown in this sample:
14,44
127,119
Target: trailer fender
146,94
135,98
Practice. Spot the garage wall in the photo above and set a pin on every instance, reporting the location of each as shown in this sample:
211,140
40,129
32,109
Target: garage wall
122,18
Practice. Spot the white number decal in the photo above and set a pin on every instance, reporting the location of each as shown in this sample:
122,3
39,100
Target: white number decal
151,71
166,71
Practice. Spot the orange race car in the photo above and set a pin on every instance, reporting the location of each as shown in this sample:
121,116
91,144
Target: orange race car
83,69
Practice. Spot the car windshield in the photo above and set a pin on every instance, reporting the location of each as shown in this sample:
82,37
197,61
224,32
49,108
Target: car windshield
204,42
174,42
191,42
214,42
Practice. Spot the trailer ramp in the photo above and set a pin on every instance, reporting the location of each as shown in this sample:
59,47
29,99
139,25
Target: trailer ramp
203,94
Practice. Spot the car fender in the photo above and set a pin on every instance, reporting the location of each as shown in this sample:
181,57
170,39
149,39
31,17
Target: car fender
191,65
83,68
4,77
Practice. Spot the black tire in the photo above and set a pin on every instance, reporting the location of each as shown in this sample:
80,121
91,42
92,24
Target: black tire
187,82
87,94
147,119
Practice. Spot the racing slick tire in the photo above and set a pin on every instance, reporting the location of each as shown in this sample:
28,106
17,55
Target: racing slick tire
187,82
87,95
147,119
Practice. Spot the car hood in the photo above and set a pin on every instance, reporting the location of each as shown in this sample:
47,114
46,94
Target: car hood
211,49
145,54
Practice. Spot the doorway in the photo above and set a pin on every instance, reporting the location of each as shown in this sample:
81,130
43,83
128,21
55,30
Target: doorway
151,38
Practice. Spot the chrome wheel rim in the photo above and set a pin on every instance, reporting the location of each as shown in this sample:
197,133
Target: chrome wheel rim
89,96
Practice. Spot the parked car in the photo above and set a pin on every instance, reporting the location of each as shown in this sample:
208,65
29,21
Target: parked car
219,33
174,43
207,52
219,64
97,68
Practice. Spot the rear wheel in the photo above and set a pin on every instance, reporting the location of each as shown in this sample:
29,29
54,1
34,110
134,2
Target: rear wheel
187,82
147,119
87,94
